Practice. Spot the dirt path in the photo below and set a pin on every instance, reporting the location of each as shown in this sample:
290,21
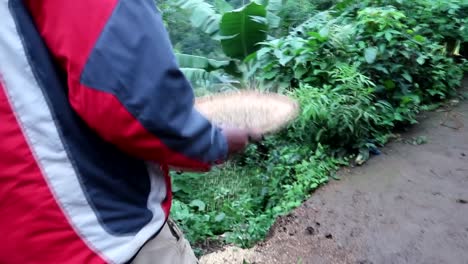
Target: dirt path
408,205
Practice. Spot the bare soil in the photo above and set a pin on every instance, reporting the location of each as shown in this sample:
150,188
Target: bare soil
408,205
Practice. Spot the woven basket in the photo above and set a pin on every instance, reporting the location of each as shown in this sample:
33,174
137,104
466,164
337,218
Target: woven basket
265,112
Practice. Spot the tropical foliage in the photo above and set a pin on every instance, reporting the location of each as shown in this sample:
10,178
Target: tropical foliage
359,69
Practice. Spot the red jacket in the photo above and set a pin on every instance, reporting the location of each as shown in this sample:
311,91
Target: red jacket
93,109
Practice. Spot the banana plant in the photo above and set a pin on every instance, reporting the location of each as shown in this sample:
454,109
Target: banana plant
207,17
240,31
204,72
203,15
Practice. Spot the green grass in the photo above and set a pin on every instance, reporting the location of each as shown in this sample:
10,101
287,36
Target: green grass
238,204
210,204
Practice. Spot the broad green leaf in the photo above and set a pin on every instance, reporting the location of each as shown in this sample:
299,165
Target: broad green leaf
370,54
233,69
285,59
323,180
411,99
361,44
405,53
407,76
381,68
389,84
262,52
388,36
199,69
251,57
203,15
274,21
199,62
223,6
300,71
325,32
273,6
342,5
382,48
419,38
220,217
259,19
318,36
246,28
398,117
199,204
270,75
421,60
278,53
197,76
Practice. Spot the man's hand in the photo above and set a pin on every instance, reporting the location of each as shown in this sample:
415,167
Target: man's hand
238,139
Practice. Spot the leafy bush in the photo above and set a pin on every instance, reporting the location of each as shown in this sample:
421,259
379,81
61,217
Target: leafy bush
401,62
344,116
443,21
407,68
306,56
294,13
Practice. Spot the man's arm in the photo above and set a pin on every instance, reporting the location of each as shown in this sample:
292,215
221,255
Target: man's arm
124,81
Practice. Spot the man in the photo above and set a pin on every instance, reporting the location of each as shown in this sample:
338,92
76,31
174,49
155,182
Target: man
94,111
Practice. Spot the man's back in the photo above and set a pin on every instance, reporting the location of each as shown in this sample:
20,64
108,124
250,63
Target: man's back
82,139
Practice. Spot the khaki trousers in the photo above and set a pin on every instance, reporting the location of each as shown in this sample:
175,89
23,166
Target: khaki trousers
169,247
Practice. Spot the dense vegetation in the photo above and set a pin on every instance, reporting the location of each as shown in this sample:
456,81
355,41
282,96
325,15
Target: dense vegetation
360,70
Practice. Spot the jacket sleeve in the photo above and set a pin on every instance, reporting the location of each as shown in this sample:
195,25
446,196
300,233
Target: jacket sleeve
124,81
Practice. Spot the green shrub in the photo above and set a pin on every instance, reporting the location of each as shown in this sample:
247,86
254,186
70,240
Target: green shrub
443,21
343,116
401,62
305,56
294,13
408,69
